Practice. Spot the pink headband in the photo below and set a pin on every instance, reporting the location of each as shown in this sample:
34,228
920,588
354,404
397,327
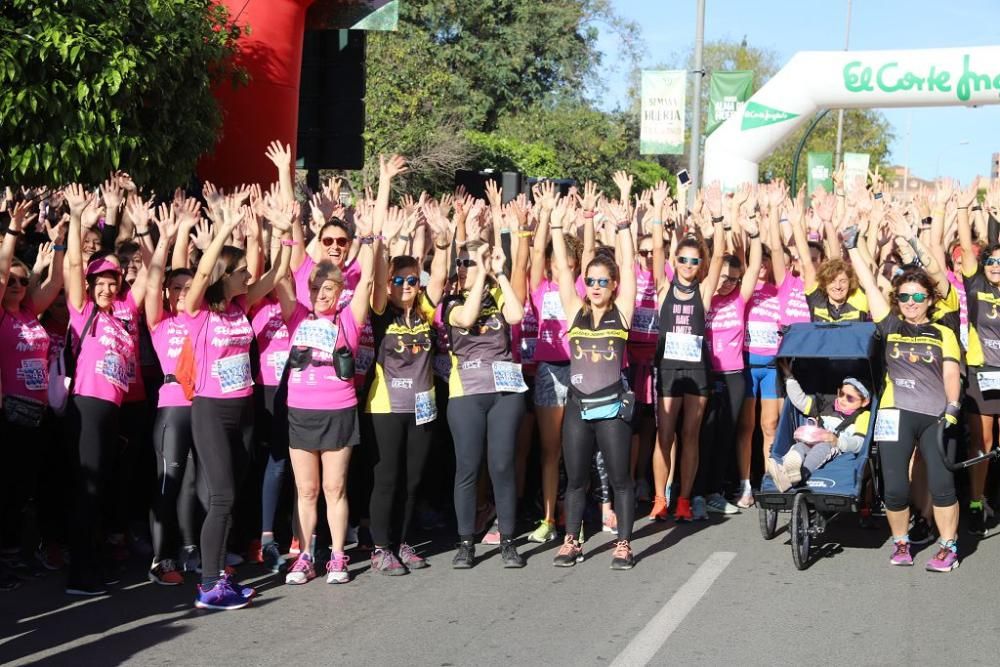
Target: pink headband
102,265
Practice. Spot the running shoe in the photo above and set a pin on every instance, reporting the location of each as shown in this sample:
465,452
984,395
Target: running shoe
255,552
492,536
509,555
977,522
484,515
901,554
622,558
920,531
302,570
410,558
336,569
165,573
609,523
294,549
643,491
465,557
545,532
221,596
717,504
791,464
51,556
245,591
570,553
699,511
385,562
233,559
85,584
682,514
190,559
659,511
778,473
746,501
945,560
271,557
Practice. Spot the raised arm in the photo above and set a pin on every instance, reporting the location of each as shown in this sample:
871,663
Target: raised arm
140,214
281,227
466,314
42,295
749,283
589,203
627,274
571,301
437,219
797,220
78,200
169,225
18,219
231,215
877,304
970,265
545,195
513,308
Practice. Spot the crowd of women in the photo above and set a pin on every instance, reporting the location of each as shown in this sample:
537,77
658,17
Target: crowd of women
173,368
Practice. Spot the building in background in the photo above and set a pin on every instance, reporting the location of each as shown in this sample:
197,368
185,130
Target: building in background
995,166
896,175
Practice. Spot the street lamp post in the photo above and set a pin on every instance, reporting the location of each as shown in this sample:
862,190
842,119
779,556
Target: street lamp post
694,159
840,113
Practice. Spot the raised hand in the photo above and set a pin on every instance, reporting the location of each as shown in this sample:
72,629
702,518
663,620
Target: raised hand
92,213
77,198
547,195
943,192
494,195
624,182
21,216
57,232
280,154
966,198
187,212
167,221
44,258
139,211
392,166
497,261
713,199
394,221
590,196
203,235
112,193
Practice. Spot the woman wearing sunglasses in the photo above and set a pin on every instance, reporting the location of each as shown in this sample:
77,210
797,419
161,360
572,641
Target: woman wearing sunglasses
594,419
923,387
684,358
23,372
485,389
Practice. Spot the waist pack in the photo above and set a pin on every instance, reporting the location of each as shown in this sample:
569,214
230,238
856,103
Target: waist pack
615,403
22,411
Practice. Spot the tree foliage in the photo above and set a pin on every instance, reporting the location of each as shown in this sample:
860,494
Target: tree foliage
92,85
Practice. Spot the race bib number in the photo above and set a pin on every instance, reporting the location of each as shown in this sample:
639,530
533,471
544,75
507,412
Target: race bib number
682,347
233,373
425,409
363,360
442,365
114,369
887,425
762,334
507,376
645,320
318,334
528,346
552,308
988,380
34,374
278,361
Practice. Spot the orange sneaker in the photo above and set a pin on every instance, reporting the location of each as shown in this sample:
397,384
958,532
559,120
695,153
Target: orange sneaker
295,549
254,552
659,511
683,511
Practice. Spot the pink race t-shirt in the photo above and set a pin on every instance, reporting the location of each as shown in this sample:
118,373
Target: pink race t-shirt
552,345
792,294
107,348
645,318
128,314
316,386
221,344
168,341
273,341
724,328
24,363
763,320
963,307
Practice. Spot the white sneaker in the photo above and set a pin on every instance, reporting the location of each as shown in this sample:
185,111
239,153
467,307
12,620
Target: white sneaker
746,501
699,511
717,504
792,463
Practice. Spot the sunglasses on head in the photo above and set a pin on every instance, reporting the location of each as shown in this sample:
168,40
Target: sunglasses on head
850,398
412,281
465,262
918,297
23,282
693,261
992,261
602,282
328,241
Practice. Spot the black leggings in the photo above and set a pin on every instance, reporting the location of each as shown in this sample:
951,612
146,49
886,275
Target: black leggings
93,425
613,437
895,457
177,509
402,449
718,432
23,447
490,422
223,438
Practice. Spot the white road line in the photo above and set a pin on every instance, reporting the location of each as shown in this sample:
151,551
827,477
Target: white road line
644,645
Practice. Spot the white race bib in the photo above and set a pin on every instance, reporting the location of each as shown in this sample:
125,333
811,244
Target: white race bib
114,369
507,376
552,308
278,361
682,347
762,334
363,360
233,372
887,425
442,365
645,320
319,334
425,409
988,380
34,373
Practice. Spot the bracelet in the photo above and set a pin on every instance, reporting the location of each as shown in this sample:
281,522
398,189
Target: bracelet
976,208
13,233
841,194
656,222
752,217
554,227
719,219
58,248
962,208
753,236
877,195
623,226
926,222
141,234
500,275
288,242
442,247
366,240
589,215
727,228
524,234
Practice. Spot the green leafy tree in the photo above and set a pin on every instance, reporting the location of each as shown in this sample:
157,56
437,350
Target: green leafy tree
87,86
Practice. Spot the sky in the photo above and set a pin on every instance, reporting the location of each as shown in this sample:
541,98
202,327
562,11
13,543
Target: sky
936,141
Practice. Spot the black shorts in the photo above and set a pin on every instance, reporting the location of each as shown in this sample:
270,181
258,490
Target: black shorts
675,382
323,430
975,402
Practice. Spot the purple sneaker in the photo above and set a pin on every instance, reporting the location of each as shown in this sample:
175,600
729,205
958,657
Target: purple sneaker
302,571
221,596
901,554
385,562
245,591
945,560
408,557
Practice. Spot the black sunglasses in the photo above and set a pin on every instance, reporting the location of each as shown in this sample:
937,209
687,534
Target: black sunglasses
24,282
465,262
603,282
412,281
645,253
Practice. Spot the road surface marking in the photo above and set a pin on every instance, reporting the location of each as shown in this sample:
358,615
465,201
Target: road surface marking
644,645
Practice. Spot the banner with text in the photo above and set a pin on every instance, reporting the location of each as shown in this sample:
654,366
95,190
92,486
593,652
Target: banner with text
663,105
820,172
855,167
727,95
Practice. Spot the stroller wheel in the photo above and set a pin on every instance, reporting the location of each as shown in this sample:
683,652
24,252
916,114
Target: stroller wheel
768,522
800,525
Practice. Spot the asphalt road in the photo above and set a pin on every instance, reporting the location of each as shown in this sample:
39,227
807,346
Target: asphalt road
701,594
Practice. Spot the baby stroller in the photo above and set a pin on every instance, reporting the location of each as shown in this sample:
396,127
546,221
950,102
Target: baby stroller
821,355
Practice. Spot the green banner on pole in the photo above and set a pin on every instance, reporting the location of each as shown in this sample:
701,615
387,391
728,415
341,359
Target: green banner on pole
728,92
820,166
663,106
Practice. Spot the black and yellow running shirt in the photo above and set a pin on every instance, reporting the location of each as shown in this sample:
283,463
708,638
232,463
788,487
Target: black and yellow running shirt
855,309
596,354
914,364
984,320
404,357
481,353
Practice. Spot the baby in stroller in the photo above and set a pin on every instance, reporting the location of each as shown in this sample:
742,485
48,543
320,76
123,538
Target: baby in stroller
837,424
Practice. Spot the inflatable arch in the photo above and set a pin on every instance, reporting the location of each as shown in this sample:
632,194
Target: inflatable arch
814,80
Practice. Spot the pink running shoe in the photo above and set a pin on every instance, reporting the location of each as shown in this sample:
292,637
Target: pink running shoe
901,554
945,560
302,571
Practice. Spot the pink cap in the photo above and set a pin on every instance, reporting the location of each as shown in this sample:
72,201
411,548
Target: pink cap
102,265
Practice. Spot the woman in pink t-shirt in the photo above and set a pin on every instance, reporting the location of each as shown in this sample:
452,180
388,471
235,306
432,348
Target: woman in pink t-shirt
222,410
103,349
